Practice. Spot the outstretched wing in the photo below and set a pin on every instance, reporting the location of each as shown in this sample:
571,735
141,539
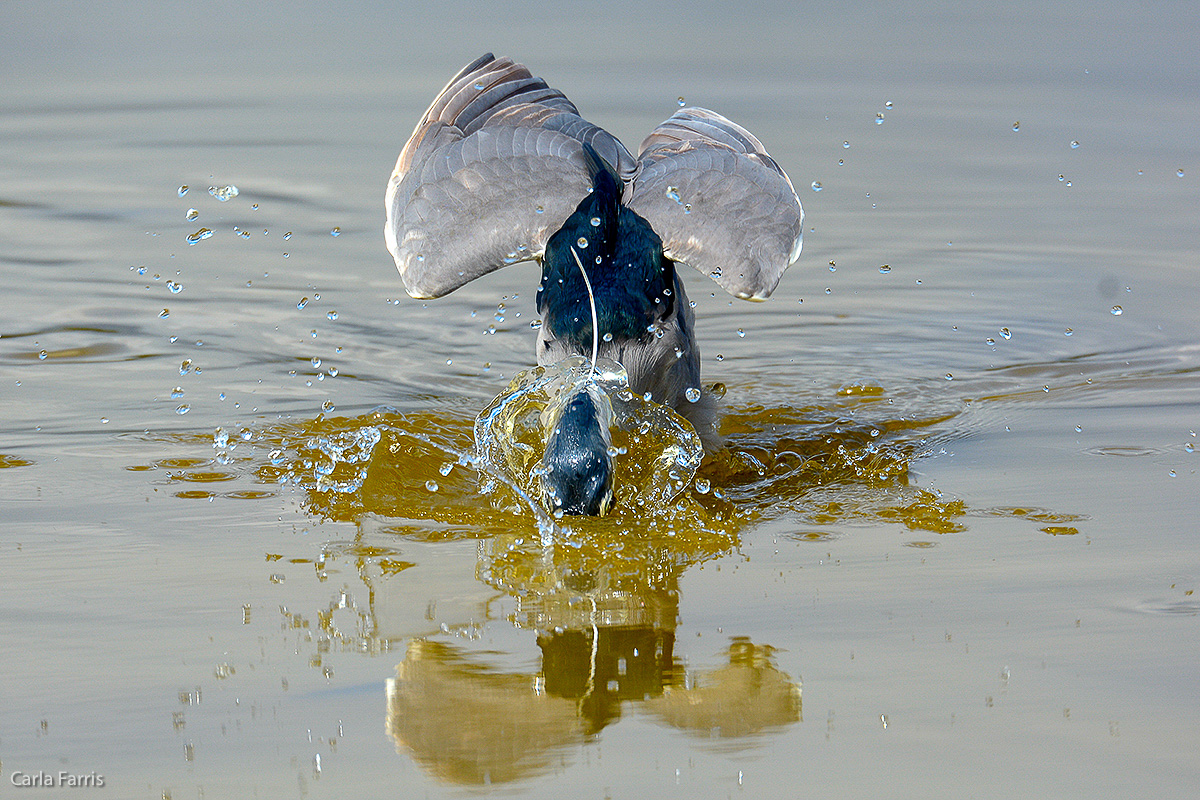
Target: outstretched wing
720,203
494,168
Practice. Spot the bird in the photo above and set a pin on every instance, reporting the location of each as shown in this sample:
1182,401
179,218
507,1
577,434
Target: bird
502,168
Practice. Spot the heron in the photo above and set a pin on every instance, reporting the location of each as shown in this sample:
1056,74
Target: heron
502,169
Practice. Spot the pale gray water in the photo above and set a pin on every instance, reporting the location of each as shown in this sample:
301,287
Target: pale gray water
1016,620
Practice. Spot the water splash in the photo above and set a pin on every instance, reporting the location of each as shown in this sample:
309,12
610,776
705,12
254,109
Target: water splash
656,451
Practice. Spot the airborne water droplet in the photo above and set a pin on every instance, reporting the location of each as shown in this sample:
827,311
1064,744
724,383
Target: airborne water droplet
595,222
192,214
431,485
884,269
692,394
223,193
183,190
199,235
1116,311
336,231
303,302
879,118
816,186
582,242
1005,333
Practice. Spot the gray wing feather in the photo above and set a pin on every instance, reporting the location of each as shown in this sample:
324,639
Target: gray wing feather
494,168
720,203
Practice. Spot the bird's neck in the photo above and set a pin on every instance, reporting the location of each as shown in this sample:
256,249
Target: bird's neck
631,280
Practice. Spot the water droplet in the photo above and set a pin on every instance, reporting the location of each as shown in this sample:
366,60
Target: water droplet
183,409
1172,474
303,302
287,235
1189,448
816,186
681,101
608,337
336,231
1017,126
949,376
431,485
183,190
199,235
887,104
1179,173
990,340
1079,429
884,269
331,316
1005,333
1116,311
191,214
43,355
1061,178
582,242
741,333
720,357
1074,144
174,288
223,193
845,145
1068,332
702,486
177,393
535,324
879,118
673,194
166,312
595,222
327,406
539,210
692,394
832,267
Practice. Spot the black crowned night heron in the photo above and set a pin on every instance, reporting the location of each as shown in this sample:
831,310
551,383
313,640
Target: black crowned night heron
503,169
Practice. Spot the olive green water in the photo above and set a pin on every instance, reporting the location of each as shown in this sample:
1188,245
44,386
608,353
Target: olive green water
950,551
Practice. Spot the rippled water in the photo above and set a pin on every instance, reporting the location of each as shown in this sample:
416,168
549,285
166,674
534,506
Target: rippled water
949,549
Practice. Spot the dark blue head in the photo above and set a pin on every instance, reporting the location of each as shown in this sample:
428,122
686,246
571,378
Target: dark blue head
630,277
577,468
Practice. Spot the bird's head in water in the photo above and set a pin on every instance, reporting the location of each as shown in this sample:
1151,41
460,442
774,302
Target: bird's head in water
577,469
